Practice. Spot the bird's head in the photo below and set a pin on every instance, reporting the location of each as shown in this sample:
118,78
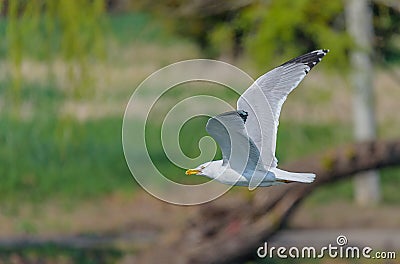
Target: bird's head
210,169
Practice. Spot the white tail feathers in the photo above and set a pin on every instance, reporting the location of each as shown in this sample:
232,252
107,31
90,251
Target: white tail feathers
292,176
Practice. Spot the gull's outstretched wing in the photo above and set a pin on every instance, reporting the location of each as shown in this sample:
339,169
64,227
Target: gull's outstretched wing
238,150
264,99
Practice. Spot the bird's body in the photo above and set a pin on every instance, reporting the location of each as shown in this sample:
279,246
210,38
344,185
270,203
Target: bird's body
226,175
247,137
231,177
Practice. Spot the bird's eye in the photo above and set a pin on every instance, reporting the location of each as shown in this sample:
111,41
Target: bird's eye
202,167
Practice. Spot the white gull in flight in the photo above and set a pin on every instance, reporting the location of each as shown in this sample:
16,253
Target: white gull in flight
247,137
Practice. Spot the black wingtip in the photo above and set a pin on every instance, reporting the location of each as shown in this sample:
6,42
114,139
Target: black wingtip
310,59
243,114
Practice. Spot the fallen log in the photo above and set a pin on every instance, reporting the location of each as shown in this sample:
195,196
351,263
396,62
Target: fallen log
227,232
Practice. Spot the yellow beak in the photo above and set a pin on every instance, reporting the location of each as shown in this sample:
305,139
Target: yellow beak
192,172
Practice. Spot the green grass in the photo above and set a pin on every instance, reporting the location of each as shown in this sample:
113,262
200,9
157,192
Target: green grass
390,179
46,158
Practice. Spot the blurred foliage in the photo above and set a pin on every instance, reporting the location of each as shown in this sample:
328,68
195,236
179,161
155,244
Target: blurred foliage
268,30
70,31
387,33
287,28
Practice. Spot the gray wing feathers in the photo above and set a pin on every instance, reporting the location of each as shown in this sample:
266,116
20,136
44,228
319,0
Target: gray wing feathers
237,148
264,99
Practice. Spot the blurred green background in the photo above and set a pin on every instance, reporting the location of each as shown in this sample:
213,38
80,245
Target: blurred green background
68,68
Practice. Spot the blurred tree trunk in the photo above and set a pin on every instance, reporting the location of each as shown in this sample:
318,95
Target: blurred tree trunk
360,28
